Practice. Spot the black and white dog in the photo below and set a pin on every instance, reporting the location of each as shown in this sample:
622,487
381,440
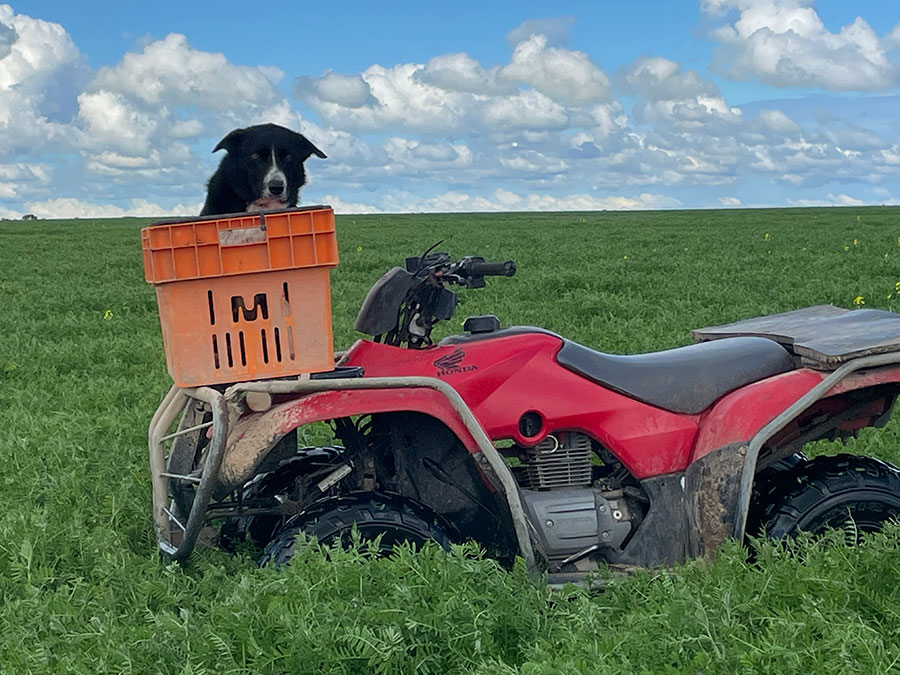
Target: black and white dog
262,170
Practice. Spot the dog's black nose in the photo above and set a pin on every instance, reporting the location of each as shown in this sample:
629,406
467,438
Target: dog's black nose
276,187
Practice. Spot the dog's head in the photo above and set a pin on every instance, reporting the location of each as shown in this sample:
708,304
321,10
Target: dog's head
264,165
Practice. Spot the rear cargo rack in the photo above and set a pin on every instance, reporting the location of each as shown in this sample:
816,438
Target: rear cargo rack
823,337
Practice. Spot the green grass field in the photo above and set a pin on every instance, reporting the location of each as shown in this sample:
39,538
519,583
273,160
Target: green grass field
82,370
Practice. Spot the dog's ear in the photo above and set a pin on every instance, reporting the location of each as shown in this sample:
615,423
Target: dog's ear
305,148
231,141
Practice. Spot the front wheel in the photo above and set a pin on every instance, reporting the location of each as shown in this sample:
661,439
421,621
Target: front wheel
845,492
395,519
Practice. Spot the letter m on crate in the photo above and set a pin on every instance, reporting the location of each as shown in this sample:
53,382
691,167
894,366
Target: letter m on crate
244,298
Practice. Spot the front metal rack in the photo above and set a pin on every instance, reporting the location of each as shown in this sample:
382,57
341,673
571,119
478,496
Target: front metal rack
177,539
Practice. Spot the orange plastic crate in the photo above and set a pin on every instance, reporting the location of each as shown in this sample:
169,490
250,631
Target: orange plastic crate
244,297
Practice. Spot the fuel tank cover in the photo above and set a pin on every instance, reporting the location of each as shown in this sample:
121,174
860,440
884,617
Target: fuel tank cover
482,323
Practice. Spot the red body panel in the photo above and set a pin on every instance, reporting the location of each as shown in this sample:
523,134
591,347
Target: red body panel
503,378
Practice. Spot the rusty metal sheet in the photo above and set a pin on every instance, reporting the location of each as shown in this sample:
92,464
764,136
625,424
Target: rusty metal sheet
823,336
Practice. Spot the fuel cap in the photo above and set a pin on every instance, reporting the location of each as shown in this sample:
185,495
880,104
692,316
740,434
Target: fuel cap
483,323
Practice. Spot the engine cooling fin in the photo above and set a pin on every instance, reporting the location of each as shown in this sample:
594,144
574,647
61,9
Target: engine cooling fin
558,461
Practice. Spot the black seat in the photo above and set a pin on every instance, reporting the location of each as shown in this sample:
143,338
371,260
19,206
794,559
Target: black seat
685,380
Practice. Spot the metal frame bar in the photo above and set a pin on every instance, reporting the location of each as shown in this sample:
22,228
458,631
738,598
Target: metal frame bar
182,432
174,403
178,476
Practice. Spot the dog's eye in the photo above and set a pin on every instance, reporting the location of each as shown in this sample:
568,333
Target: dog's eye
288,158
255,155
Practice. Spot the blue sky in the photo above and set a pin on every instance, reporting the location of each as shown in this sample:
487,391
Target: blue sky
112,108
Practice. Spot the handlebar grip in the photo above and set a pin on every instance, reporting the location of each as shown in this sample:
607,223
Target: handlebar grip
492,269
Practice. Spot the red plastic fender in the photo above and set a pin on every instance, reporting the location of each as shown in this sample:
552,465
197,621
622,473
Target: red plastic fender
738,416
254,435
329,405
868,378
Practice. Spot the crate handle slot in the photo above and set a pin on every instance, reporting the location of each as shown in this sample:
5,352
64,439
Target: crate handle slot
277,345
228,350
286,299
212,311
260,305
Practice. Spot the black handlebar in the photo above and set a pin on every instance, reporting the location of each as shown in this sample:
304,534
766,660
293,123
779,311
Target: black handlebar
403,306
479,268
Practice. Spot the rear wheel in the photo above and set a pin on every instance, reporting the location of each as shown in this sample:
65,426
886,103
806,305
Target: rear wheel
845,492
395,519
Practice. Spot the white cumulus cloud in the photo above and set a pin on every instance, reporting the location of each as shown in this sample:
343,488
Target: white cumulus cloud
454,94
460,72
784,43
829,200
68,207
507,200
20,179
351,91
40,71
564,75
555,29
171,72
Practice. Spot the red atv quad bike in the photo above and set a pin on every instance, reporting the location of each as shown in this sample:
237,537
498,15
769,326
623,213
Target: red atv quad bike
533,445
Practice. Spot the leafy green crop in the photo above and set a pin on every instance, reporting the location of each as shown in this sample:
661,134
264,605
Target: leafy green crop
82,371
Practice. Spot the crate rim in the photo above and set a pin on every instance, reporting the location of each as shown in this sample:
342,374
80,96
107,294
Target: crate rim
245,220
240,214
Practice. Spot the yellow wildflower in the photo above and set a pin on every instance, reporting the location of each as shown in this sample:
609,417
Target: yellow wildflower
859,301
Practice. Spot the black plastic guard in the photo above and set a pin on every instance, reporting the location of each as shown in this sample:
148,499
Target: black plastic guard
379,310
662,539
712,486
691,513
